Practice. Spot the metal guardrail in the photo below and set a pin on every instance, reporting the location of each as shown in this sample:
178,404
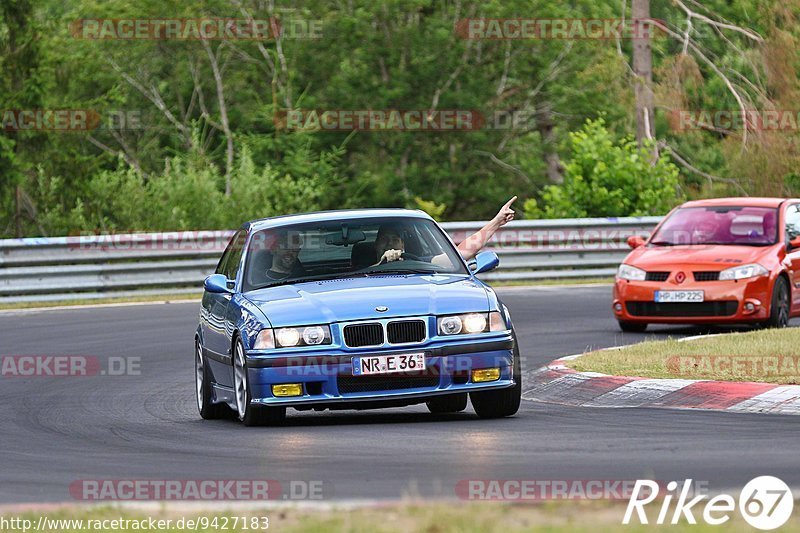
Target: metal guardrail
96,266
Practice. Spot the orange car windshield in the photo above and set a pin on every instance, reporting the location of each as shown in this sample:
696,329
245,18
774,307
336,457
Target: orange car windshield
726,225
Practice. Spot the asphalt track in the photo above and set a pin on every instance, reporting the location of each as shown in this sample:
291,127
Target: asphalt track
56,430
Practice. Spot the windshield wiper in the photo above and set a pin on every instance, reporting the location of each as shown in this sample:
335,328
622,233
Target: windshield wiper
307,279
343,275
710,243
402,271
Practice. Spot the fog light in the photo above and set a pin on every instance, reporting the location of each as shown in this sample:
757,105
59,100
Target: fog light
749,307
485,374
618,307
287,389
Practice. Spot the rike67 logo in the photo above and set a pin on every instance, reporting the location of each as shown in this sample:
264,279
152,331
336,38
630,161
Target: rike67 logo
765,503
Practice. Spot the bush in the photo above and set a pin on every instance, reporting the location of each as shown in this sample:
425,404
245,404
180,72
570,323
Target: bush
608,178
429,206
187,194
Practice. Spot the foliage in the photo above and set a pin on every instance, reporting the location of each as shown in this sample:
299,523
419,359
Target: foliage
186,194
432,208
171,168
608,178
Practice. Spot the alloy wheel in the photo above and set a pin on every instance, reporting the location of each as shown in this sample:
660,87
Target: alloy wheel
199,373
240,381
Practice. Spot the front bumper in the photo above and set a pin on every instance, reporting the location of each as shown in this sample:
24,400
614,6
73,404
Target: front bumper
724,302
327,378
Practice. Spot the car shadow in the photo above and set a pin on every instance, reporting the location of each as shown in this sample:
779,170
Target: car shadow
687,331
393,415
702,329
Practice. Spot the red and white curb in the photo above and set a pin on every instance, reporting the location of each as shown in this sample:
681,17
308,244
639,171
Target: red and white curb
557,383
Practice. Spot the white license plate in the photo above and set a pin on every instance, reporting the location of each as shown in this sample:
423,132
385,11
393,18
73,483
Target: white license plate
679,296
388,364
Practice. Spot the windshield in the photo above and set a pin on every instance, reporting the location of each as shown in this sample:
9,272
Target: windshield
747,226
352,248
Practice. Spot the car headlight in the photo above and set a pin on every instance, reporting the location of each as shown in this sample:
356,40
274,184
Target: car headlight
287,336
471,323
293,336
743,272
631,272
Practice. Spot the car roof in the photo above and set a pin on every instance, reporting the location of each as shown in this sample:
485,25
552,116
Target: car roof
745,201
329,216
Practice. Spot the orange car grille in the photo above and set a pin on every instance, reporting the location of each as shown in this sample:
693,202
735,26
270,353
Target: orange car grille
710,275
722,308
656,276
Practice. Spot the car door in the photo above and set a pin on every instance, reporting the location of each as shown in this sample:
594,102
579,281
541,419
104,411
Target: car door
791,231
218,328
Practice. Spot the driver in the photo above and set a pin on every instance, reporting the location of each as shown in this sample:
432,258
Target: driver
284,257
389,244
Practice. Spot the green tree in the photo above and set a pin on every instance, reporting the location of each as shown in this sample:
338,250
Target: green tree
605,177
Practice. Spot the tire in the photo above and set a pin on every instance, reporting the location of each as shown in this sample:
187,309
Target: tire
632,327
203,391
248,413
781,305
452,403
503,402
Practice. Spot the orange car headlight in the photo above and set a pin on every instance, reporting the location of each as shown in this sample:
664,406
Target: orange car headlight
753,270
631,273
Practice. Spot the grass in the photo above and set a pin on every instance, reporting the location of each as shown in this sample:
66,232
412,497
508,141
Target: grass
548,282
569,516
769,355
166,297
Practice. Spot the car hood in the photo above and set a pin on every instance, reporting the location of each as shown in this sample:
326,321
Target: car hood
711,257
342,300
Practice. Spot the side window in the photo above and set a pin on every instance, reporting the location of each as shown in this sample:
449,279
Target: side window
237,249
222,260
423,236
792,221
229,262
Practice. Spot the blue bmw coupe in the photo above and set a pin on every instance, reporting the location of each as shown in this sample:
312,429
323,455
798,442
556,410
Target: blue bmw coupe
352,309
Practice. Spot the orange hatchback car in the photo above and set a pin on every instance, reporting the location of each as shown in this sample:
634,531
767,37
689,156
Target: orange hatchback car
727,260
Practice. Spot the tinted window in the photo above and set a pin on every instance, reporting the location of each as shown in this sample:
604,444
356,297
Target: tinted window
229,262
733,225
792,221
348,248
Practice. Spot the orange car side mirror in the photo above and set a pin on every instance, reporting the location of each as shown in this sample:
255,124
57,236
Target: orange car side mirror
794,244
635,241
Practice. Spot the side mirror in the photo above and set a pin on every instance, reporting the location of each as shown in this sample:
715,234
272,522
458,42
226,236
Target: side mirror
485,261
794,244
635,241
216,283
